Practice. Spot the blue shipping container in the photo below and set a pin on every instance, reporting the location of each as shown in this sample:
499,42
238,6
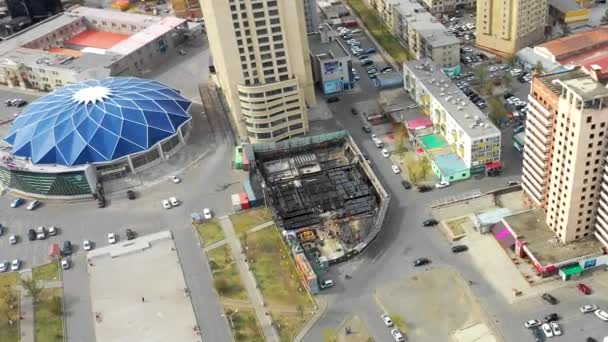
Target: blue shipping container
253,201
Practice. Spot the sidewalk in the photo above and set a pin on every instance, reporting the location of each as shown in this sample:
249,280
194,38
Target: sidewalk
321,307
248,280
26,311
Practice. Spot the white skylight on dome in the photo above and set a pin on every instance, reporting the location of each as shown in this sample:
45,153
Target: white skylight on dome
91,94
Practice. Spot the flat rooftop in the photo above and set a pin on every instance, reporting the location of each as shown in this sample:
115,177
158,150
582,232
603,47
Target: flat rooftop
122,274
541,241
449,163
452,99
434,32
331,49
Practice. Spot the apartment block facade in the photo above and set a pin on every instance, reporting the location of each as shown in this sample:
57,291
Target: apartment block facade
506,26
260,52
565,165
443,6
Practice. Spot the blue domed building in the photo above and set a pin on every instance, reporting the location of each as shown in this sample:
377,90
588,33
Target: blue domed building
64,143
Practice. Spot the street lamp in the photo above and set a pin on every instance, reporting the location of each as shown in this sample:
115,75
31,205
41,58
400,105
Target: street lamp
230,318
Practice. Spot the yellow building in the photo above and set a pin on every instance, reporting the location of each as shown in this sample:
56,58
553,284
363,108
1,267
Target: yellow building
568,11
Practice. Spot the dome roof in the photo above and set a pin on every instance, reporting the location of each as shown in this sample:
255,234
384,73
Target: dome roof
97,121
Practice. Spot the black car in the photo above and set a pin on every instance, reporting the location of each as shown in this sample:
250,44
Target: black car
130,234
421,262
366,129
67,247
549,299
131,194
551,317
101,202
19,103
539,336
333,99
429,223
424,188
406,184
591,339
459,248
354,111
507,95
31,235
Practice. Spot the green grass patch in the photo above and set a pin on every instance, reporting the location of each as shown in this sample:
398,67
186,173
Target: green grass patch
246,327
48,316
226,278
275,271
8,332
376,27
246,220
288,324
210,232
47,272
8,279
400,323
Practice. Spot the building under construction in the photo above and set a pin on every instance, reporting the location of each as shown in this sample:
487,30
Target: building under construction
322,193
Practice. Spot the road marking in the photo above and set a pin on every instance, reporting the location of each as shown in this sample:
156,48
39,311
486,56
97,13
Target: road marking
378,256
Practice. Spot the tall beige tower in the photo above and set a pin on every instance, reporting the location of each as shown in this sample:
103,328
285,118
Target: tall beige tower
506,26
260,53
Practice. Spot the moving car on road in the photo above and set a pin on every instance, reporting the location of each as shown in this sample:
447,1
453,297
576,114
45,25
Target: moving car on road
442,184
131,194
421,262
111,238
397,335
387,320
583,288
588,308
175,179
430,223
424,188
384,153
459,248
549,299
406,184
396,169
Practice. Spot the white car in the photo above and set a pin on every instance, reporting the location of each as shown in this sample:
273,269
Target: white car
396,169
557,331
40,233
15,265
207,214
588,308
442,184
52,231
384,153
174,201
86,245
111,238
3,266
33,205
175,179
387,320
547,330
397,335
601,314
373,136
327,284
532,323
65,264
12,239
355,31
166,204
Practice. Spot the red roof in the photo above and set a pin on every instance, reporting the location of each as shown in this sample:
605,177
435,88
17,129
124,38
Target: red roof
598,67
97,39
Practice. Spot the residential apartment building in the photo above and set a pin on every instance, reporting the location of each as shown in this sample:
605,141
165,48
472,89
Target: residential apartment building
311,15
504,27
443,6
331,63
475,139
261,56
565,167
186,8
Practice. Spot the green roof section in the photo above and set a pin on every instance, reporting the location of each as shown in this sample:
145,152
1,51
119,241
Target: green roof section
432,141
572,269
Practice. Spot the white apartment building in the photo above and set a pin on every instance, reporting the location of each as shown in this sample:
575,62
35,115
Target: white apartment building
506,26
455,117
261,57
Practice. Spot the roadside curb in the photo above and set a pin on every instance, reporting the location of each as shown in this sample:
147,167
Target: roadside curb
321,308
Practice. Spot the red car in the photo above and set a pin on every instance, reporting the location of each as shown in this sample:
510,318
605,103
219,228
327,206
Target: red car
584,288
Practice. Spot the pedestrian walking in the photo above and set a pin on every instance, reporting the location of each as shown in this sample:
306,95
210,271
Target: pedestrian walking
142,299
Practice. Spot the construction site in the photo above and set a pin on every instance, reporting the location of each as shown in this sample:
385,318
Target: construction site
323,194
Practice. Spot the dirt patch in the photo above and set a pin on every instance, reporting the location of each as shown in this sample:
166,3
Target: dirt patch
357,330
435,304
457,228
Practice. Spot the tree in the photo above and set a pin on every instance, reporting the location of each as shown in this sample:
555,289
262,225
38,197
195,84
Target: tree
32,288
401,136
9,297
481,73
497,110
330,335
507,80
539,68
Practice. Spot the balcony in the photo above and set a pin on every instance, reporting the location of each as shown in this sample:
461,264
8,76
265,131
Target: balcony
540,109
532,180
538,126
533,193
534,157
534,170
601,238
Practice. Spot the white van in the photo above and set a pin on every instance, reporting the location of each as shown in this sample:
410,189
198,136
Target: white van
378,142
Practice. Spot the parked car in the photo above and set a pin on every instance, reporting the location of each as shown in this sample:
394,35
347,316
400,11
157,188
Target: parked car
67,247
547,330
15,265
327,284
551,317
397,335
33,205
601,314
406,184
3,266
396,169
424,188
333,99
583,288
421,262
442,184
31,235
174,201
101,202
40,233
86,245
429,223
513,183
207,214
17,202
532,323
366,129
387,320
588,308
65,264
112,238
557,331
52,231
131,194
166,204
384,153
549,299
175,179
13,239
130,234
459,248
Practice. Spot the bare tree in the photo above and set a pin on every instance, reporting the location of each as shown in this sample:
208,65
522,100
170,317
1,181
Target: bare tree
32,288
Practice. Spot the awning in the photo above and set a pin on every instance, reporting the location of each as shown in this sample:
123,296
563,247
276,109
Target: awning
503,235
572,269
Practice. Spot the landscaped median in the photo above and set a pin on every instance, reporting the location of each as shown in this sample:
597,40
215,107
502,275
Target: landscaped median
226,277
245,325
289,302
210,232
48,316
47,272
373,23
9,307
246,220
